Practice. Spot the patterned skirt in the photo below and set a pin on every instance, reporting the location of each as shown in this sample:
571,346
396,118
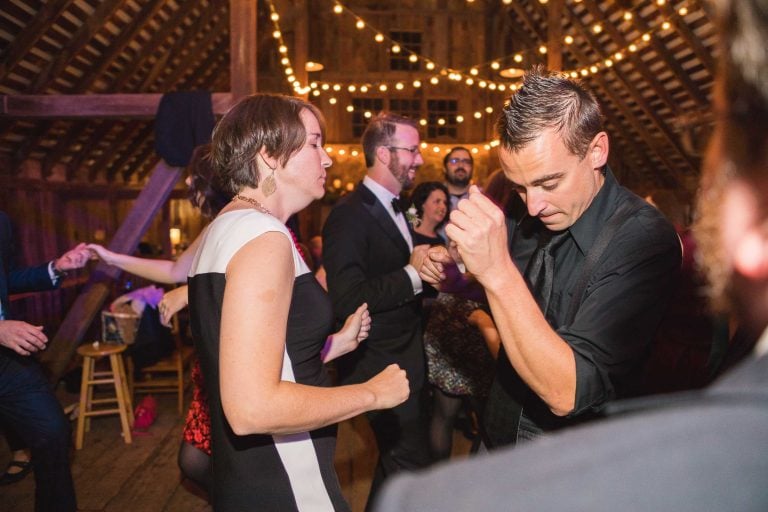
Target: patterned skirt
458,360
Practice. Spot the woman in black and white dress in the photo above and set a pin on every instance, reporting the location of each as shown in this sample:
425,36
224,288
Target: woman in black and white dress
260,320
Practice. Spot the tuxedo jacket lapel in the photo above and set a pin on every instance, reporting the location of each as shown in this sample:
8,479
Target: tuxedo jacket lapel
381,215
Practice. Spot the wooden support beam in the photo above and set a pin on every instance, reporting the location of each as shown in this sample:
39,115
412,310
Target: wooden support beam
47,14
93,105
89,302
555,35
242,47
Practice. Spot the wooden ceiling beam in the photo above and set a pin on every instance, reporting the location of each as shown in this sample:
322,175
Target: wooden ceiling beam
637,97
118,159
634,57
692,40
693,89
124,136
147,51
47,14
73,106
87,30
198,49
620,104
64,146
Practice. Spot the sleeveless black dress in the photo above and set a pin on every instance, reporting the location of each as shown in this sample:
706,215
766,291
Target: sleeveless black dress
264,472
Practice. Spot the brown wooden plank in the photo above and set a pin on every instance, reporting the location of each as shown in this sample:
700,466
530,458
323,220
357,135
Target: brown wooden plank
46,16
88,304
242,47
555,35
92,105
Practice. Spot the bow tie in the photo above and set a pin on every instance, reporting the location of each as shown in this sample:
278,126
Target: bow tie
396,205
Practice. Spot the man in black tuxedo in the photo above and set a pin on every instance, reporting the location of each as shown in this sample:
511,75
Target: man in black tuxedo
698,451
28,408
369,257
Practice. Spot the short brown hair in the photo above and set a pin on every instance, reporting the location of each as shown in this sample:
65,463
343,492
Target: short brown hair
268,121
549,100
379,132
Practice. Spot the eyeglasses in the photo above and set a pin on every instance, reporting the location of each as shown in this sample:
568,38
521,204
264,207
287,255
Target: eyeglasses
413,151
465,161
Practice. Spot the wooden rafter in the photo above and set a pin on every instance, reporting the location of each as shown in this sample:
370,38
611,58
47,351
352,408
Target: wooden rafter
629,86
85,33
48,13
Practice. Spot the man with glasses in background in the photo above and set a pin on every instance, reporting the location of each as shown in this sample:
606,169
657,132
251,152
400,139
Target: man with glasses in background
369,257
458,166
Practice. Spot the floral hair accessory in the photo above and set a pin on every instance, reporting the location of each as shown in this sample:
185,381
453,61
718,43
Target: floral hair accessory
412,215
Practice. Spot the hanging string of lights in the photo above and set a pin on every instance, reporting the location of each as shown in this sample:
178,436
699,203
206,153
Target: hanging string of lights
316,88
470,75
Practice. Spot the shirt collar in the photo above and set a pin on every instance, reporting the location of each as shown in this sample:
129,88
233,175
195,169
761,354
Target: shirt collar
585,230
382,194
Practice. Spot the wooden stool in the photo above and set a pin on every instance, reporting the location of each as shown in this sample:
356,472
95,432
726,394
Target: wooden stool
115,376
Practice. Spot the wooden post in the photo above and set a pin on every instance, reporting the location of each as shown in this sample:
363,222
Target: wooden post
242,48
555,35
301,43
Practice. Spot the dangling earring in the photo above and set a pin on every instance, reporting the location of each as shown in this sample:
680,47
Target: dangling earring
268,184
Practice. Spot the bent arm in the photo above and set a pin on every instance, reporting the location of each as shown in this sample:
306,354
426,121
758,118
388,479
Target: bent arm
161,271
537,353
254,395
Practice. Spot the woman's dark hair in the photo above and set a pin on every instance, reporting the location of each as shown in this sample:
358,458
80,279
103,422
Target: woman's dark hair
262,121
550,100
202,193
421,193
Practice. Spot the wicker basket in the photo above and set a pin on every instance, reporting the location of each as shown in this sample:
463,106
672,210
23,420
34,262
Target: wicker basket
119,328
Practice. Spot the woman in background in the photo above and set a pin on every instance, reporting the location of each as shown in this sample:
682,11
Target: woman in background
428,212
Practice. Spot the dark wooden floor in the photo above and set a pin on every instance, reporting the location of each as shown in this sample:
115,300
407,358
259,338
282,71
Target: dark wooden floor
143,476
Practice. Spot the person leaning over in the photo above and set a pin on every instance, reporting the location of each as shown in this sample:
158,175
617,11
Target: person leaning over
574,331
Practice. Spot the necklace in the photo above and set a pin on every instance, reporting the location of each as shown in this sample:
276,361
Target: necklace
263,209
255,203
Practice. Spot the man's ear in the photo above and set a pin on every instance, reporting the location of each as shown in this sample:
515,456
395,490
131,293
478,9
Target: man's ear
383,154
751,254
598,150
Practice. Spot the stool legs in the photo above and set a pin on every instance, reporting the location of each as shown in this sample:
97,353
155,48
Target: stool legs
118,371
85,402
117,377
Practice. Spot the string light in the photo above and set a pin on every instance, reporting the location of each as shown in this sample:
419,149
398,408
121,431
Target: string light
470,78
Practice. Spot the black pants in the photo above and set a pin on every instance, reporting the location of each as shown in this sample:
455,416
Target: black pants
29,408
402,438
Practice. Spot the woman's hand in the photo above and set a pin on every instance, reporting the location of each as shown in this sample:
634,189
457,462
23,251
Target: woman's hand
389,387
102,253
173,302
355,330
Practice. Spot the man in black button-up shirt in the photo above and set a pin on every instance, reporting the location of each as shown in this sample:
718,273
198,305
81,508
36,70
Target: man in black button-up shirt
558,366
